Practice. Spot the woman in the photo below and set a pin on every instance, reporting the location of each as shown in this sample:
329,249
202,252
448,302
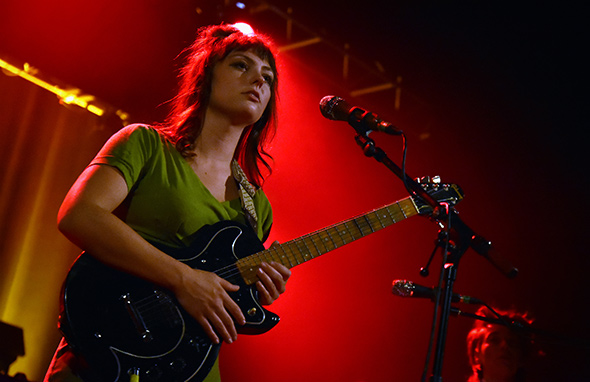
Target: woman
162,184
497,353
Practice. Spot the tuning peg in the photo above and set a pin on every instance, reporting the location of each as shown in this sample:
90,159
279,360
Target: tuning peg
428,179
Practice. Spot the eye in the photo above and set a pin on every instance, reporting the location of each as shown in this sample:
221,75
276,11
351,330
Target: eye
268,78
240,65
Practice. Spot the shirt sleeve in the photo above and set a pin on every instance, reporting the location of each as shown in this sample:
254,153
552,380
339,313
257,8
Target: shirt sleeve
128,151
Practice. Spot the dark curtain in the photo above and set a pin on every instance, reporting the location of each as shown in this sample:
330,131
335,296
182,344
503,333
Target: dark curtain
44,145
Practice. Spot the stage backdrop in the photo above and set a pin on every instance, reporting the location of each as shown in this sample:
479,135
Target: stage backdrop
43,147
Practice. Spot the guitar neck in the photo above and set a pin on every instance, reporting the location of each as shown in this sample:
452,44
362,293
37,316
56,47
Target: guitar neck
310,246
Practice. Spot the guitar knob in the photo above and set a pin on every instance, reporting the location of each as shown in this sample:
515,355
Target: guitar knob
252,312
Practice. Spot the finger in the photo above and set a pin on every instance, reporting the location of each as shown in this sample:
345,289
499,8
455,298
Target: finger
225,326
229,286
234,309
230,305
271,280
263,294
208,330
279,274
283,270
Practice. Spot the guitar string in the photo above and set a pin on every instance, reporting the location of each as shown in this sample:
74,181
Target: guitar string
151,306
232,271
290,254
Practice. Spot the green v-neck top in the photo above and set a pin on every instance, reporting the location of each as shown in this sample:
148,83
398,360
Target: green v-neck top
167,201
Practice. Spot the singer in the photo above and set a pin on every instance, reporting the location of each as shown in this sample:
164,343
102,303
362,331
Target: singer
495,352
174,178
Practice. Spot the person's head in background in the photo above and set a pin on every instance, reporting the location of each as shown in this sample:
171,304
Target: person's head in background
497,353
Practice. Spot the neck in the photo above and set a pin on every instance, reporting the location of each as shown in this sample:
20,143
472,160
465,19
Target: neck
218,140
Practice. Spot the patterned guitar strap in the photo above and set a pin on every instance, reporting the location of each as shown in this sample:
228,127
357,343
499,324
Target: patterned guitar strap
246,191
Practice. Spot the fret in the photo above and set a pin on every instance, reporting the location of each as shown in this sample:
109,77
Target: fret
369,222
358,226
250,261
349,230
409,207
286,255
397,214
331,238
392,214
325,238
310,239
341,232
361,223
387,216
315,238
308,250
378,215
294,252
402,211
304,253
265,255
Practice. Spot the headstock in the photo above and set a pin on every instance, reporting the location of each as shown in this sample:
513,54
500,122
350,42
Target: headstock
444,193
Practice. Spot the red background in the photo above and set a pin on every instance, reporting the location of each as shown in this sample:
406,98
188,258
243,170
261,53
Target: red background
489,101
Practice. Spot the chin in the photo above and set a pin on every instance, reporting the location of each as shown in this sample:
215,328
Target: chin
248,117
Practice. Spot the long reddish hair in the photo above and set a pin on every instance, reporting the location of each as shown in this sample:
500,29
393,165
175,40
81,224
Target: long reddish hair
184,122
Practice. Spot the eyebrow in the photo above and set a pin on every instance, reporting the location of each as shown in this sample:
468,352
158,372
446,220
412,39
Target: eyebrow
248,58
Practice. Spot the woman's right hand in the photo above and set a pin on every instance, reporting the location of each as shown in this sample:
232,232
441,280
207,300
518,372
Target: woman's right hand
204,295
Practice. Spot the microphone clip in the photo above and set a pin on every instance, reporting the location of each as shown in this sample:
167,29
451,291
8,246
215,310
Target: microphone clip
365,122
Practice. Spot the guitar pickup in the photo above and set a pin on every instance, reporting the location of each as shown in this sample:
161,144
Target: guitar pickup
137,319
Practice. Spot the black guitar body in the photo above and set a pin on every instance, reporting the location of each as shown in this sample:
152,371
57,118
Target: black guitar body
118,323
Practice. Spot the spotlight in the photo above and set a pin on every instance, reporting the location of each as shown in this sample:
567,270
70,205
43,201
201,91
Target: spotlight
240,5
244,28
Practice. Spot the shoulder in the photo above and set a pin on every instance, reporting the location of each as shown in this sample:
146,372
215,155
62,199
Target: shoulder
136,136
138,131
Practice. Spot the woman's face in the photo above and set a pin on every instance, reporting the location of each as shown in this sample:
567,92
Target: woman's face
500,354
240,87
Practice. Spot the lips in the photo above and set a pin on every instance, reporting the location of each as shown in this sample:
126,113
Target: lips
254,95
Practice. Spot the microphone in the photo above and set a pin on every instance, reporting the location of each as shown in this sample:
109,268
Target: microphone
405,288
337,109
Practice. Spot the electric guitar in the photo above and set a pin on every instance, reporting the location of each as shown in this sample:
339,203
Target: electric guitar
120,325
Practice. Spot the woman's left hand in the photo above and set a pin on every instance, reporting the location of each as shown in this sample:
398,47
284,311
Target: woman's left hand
273,279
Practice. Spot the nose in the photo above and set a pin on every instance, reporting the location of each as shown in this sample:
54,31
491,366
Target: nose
258,78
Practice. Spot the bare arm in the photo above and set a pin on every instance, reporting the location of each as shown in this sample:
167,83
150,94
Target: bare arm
86,218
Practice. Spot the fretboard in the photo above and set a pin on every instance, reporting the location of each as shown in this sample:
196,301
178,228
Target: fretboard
312,245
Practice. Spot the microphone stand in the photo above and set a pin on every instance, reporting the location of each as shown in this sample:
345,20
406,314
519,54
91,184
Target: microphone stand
460,237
